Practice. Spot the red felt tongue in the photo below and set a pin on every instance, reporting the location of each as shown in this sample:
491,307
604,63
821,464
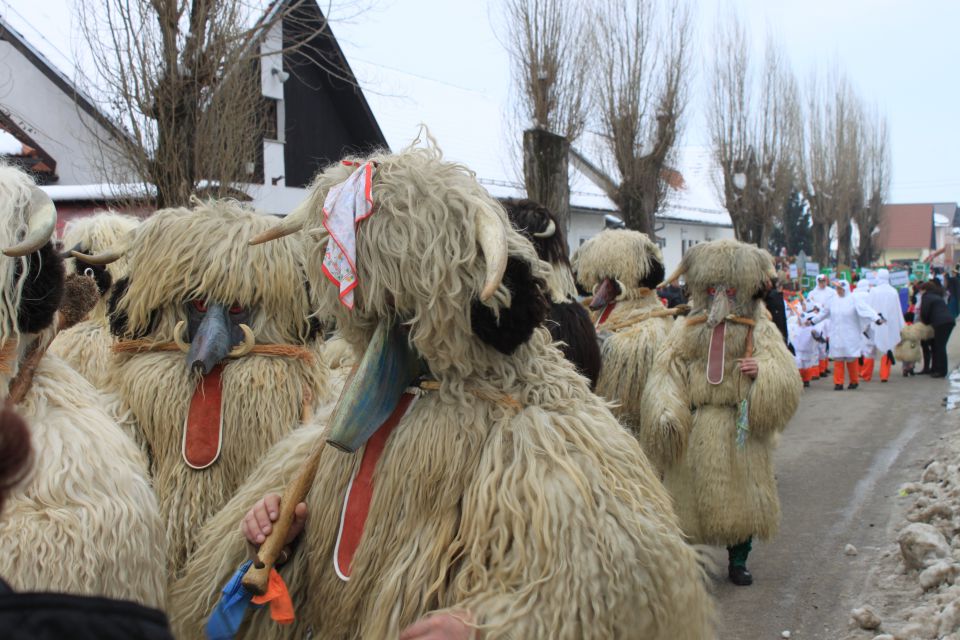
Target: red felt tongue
607,310
203,429
715,354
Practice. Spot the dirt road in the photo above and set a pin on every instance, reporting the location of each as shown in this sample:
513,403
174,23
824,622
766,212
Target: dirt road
839,465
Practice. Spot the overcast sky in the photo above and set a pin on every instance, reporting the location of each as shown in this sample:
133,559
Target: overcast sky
900,54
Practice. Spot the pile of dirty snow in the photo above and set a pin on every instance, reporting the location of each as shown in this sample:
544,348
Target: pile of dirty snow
914,589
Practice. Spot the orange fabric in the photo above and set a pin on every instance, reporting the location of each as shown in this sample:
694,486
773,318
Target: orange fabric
866,371
853,370
805,375
824,366
837,372
281,605
201,440
813,372
357,505
885,368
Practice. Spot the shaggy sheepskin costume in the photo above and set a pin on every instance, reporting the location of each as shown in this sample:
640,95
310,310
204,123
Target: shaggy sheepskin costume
508,489
721,477
181,260
86,345
631,317
568,322
85,520
908,350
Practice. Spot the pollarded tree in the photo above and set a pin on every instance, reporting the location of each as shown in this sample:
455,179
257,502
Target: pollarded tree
182,79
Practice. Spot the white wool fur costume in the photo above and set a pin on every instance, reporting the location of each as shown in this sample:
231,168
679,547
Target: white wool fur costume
908,350
511,491
86,345
180,255
723,493
641,321
85,520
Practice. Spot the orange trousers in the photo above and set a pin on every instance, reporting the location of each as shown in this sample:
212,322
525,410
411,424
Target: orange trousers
824,366
866,371
853,369
885,365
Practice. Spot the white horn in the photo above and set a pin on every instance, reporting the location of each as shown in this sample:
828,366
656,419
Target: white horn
178,337
492,238
548,232
294,222
41,221
100,258
246,346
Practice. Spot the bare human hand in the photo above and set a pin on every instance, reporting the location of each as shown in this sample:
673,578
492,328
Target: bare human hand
258,523
749,367
441,626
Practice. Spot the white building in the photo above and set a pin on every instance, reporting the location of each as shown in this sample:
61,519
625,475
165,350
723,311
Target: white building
320,118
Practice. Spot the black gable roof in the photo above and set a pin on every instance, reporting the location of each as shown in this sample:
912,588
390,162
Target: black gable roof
327,116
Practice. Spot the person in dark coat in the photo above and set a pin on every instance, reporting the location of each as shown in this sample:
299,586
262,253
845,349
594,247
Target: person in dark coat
53,616
773,299
952,278
934,313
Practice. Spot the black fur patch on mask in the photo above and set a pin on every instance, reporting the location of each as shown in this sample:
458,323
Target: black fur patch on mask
42,289
118,319
656,275
570,324
527,310
97,271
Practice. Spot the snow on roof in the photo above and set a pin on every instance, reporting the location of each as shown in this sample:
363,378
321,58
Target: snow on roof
9,145
468,125
99,192
697,199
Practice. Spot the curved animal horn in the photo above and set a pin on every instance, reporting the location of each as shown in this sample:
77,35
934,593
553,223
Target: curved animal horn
41,221
100,258
492,238
178,337
548,232
246,346
673,277
291,224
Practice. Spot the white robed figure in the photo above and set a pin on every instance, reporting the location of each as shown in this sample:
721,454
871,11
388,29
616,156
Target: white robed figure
848,315
883,298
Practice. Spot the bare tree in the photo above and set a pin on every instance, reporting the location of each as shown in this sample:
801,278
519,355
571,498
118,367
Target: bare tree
756,131
876,174
182,78
547,44
834,163
643,56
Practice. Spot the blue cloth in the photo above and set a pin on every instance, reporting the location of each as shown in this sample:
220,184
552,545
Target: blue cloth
904,299
226,617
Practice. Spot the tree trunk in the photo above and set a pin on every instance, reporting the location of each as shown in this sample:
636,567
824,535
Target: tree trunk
821,242
545,167
844,243
630,202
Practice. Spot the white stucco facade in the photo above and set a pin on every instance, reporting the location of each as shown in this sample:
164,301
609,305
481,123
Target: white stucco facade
57,123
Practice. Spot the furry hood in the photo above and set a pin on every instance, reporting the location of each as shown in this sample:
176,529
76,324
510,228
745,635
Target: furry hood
180,254
630,257
726,264
419,263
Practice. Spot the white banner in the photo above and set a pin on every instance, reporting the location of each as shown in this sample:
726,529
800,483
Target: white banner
899,278
793,272
813,269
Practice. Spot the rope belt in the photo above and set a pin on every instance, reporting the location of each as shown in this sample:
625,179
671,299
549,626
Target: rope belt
269,350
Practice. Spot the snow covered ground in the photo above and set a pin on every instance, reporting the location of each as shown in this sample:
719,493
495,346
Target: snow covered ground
913,590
